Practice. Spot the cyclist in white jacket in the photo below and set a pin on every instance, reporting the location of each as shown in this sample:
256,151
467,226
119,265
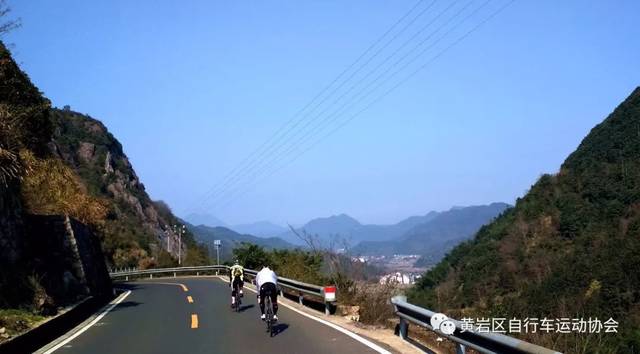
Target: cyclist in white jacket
267,282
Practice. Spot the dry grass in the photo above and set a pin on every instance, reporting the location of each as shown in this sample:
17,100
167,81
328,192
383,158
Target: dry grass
14,322
373,302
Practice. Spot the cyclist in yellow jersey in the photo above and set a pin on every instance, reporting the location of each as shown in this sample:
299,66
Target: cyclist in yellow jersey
236,278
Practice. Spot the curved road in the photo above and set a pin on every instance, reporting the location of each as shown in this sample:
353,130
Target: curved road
162,316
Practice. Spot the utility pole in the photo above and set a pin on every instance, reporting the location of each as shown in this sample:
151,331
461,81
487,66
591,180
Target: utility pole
168,235
218,244
180,231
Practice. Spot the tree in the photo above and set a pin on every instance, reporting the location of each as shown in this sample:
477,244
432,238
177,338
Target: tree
251,256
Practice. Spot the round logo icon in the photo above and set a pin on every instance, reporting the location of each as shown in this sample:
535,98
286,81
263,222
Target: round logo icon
447,327
437,319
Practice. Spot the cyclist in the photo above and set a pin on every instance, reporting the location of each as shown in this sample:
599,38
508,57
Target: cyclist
267,280
236,279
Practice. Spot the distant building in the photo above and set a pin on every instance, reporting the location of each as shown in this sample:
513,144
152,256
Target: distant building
66,108
397,278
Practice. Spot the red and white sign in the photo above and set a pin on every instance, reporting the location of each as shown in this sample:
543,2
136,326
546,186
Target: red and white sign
329,293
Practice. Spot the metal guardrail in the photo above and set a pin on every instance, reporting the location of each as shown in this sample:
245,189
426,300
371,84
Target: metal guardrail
482,342
323,293
133,272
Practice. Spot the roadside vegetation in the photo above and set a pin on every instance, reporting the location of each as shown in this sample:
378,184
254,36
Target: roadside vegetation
14,322
360,297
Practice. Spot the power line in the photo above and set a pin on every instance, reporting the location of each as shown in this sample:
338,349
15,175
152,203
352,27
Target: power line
252,157
382,96
335,114
398,50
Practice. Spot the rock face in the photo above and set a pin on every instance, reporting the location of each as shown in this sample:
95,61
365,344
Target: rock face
45,261
68,256
86,152
10,224
86,145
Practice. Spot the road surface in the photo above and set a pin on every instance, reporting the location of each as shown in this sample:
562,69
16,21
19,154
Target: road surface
192,315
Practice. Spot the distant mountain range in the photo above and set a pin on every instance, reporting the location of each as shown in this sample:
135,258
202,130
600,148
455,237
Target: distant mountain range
345,228
429,235
414,235
433,238
231,239
259,228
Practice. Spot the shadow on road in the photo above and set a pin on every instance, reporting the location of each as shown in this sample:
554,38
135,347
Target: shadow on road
125,305
243,308
279,328
125,286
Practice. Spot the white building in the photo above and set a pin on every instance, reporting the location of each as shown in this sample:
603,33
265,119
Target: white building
397,278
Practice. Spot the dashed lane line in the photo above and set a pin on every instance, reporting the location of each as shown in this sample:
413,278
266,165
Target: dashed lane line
194,321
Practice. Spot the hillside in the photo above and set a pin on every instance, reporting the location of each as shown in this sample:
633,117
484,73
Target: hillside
231,239
569,248
135,229
50,254
437,234
72,165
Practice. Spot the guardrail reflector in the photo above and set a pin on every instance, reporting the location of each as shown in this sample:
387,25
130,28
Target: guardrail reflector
329,293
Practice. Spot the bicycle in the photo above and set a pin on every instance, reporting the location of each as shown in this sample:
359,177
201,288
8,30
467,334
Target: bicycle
269,313
236,295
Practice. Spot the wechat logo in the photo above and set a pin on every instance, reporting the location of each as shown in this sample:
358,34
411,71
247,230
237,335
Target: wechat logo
441,322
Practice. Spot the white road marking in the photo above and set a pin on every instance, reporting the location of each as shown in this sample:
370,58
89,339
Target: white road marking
95,320
360,339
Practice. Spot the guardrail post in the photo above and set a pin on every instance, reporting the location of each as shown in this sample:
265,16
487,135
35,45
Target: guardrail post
460,349
126,278
150,275
197,274
327,308
404,328
300,298
174,274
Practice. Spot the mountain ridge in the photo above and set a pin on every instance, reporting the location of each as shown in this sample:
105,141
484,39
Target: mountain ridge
230,239
574,238
435,236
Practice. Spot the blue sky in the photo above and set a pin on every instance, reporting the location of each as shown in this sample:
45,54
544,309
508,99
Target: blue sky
191,88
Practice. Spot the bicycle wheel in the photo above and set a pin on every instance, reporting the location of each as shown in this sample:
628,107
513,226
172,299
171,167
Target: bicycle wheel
237,296
269,315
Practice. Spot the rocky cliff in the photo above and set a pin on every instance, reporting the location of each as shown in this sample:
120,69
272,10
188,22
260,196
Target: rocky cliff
136,230
67,190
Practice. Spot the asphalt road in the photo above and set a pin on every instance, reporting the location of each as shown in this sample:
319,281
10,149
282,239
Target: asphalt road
158,317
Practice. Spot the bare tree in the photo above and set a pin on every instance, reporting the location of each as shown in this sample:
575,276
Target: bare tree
7,25
339,265
312,241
